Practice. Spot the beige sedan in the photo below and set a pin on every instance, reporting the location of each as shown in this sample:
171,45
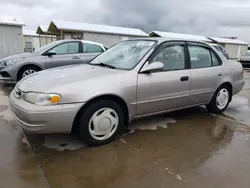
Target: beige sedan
133,79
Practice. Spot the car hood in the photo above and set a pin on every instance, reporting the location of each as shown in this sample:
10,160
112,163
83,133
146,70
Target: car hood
48,80
19,56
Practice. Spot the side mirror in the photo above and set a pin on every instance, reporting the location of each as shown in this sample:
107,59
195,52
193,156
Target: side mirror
50,53
152,67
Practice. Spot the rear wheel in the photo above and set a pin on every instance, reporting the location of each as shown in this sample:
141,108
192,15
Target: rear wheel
26,71
220,100
101,122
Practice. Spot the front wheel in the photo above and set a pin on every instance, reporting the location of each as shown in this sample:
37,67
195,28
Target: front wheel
26,71
101,122
220,100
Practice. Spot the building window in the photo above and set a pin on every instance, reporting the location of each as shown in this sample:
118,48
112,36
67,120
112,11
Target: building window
28,47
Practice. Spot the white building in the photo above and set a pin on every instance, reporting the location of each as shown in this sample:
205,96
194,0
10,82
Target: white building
33,41
179,36
107,35
45,37
235,47
11,35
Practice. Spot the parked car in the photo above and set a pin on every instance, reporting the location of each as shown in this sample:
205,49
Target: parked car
133,79
222,50
59,53
245,60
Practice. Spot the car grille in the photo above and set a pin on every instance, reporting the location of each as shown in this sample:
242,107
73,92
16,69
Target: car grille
5,74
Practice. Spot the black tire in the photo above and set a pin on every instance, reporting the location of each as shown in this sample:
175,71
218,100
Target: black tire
212,106
85,117
22,70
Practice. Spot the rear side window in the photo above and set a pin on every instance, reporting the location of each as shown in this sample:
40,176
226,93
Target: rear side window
91,48
215,60
201,57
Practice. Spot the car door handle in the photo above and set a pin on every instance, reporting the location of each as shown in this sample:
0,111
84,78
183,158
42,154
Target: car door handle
184,78
219,74
75,57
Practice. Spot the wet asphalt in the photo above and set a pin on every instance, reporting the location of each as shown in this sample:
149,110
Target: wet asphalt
189,148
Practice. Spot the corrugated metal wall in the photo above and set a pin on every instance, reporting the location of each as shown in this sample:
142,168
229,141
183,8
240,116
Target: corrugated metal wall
106,39
11,40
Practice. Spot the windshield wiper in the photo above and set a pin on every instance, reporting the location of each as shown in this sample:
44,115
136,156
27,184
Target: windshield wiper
105,65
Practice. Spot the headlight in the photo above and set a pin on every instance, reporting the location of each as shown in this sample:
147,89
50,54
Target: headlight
9,62
42,99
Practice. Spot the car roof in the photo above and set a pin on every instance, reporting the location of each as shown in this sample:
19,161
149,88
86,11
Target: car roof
83,41
163,39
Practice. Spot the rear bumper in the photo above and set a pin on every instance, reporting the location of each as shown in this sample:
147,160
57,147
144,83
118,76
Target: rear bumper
238,86
43,119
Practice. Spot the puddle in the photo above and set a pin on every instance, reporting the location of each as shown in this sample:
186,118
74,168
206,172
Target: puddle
63,142
153,123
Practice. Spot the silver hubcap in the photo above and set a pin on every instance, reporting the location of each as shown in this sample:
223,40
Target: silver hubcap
103,124
222,98
28,72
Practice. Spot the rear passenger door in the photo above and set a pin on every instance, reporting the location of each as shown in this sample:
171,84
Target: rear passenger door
90,51
206,72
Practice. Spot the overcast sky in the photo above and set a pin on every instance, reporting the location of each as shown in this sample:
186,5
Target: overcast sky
210,17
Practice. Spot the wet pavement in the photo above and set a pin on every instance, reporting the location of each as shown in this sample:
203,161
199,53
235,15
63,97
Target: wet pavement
189,148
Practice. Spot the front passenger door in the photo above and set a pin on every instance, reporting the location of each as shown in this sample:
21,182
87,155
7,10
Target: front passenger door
67,53
167,89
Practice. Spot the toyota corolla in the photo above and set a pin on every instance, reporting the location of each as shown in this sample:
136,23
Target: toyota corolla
133,79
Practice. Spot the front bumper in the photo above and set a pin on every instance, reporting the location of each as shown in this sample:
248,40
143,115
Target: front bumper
7,81
44,119
8,74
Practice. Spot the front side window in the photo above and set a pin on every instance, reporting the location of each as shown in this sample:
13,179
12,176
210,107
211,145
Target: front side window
200,57
172,57
46,47
67,48
91,48
125,55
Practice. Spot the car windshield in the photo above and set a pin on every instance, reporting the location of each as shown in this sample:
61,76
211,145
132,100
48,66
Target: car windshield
125,55
46,47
